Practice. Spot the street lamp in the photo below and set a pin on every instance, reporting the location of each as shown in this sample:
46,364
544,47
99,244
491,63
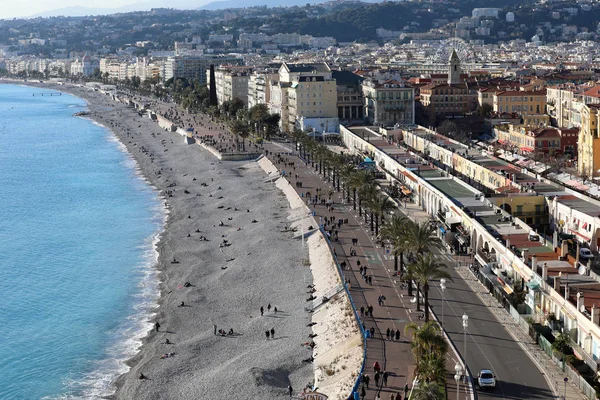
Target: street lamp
465,324
443,287
457,375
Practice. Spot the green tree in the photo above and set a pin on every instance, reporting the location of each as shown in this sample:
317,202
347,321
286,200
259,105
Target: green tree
427,391
424,270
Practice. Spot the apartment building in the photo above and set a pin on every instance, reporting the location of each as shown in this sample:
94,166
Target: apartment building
306,91
259,85
522,102
350,101
231,83
195,67
389,102
542,140
588,160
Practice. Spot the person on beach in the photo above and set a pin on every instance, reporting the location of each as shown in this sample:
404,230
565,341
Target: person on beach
272,333
262,311
290,390
142,376
269,307
267,334
215,329
156,326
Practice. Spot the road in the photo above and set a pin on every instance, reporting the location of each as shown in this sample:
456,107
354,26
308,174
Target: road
489,345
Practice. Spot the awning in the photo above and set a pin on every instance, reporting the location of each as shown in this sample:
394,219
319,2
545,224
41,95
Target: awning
533,285
406,191
442,229
529,149
461,239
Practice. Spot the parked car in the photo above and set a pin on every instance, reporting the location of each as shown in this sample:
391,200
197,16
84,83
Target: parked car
486,379
585,254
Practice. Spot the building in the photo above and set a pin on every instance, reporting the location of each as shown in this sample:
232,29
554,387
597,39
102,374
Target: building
305,91
521,102
541,140
84,66
452,97
195,67
259,85
389,102
588,145
350,101
231,83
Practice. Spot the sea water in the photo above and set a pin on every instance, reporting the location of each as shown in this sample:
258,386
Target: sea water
78,225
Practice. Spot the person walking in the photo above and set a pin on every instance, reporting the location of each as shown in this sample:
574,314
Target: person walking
367,379
157,326
372,331
267,333
376,376
376,366
385,377
405,390
272,333
387,334
290,390
363,393
398,396
262,311
362,311
397,334
269,307
214,329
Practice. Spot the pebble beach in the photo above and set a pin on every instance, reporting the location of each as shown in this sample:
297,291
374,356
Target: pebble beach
223,267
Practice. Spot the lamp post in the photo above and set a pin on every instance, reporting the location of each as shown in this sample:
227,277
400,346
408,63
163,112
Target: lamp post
443,287
465,324
457,375
565,392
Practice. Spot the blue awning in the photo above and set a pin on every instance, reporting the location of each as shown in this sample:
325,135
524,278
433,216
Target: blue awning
367,159
533,285
442,229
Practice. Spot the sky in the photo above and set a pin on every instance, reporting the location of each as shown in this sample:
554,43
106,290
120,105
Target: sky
12,9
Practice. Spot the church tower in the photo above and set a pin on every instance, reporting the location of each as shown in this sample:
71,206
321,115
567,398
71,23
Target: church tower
454,69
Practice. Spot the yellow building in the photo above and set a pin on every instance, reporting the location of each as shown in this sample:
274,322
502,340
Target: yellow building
311,93
588,145
521,102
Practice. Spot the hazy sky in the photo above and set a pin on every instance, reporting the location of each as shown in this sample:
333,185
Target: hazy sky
12,9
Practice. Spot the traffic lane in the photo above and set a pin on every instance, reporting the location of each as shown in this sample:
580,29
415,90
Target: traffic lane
489,345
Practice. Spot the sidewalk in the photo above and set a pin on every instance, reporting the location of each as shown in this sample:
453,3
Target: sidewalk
397,311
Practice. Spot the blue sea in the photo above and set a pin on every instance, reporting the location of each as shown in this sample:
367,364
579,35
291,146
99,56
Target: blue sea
78,228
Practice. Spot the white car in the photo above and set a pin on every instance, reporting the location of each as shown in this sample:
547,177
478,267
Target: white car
486,379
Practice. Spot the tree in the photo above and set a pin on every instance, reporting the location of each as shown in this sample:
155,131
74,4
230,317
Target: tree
448,128
394,231
485,109
427,391
238,128
381,205
424,270
359,179
420,237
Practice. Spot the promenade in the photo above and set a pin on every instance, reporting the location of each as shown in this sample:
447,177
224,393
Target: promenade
394,356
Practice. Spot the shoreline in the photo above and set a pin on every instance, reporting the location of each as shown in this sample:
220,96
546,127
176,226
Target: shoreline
127,385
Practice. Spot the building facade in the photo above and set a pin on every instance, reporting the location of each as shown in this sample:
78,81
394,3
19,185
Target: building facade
389,102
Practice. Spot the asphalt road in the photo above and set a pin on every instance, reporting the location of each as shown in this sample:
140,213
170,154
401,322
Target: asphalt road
488,344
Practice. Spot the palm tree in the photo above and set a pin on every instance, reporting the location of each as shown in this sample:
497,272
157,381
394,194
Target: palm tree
381,205
366,195
394,232
427,391
423,270
420,237
346,172
357,181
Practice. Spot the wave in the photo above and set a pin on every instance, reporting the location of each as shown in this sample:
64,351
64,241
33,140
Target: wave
126,340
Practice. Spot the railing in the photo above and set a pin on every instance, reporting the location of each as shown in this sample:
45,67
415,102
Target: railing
354,310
